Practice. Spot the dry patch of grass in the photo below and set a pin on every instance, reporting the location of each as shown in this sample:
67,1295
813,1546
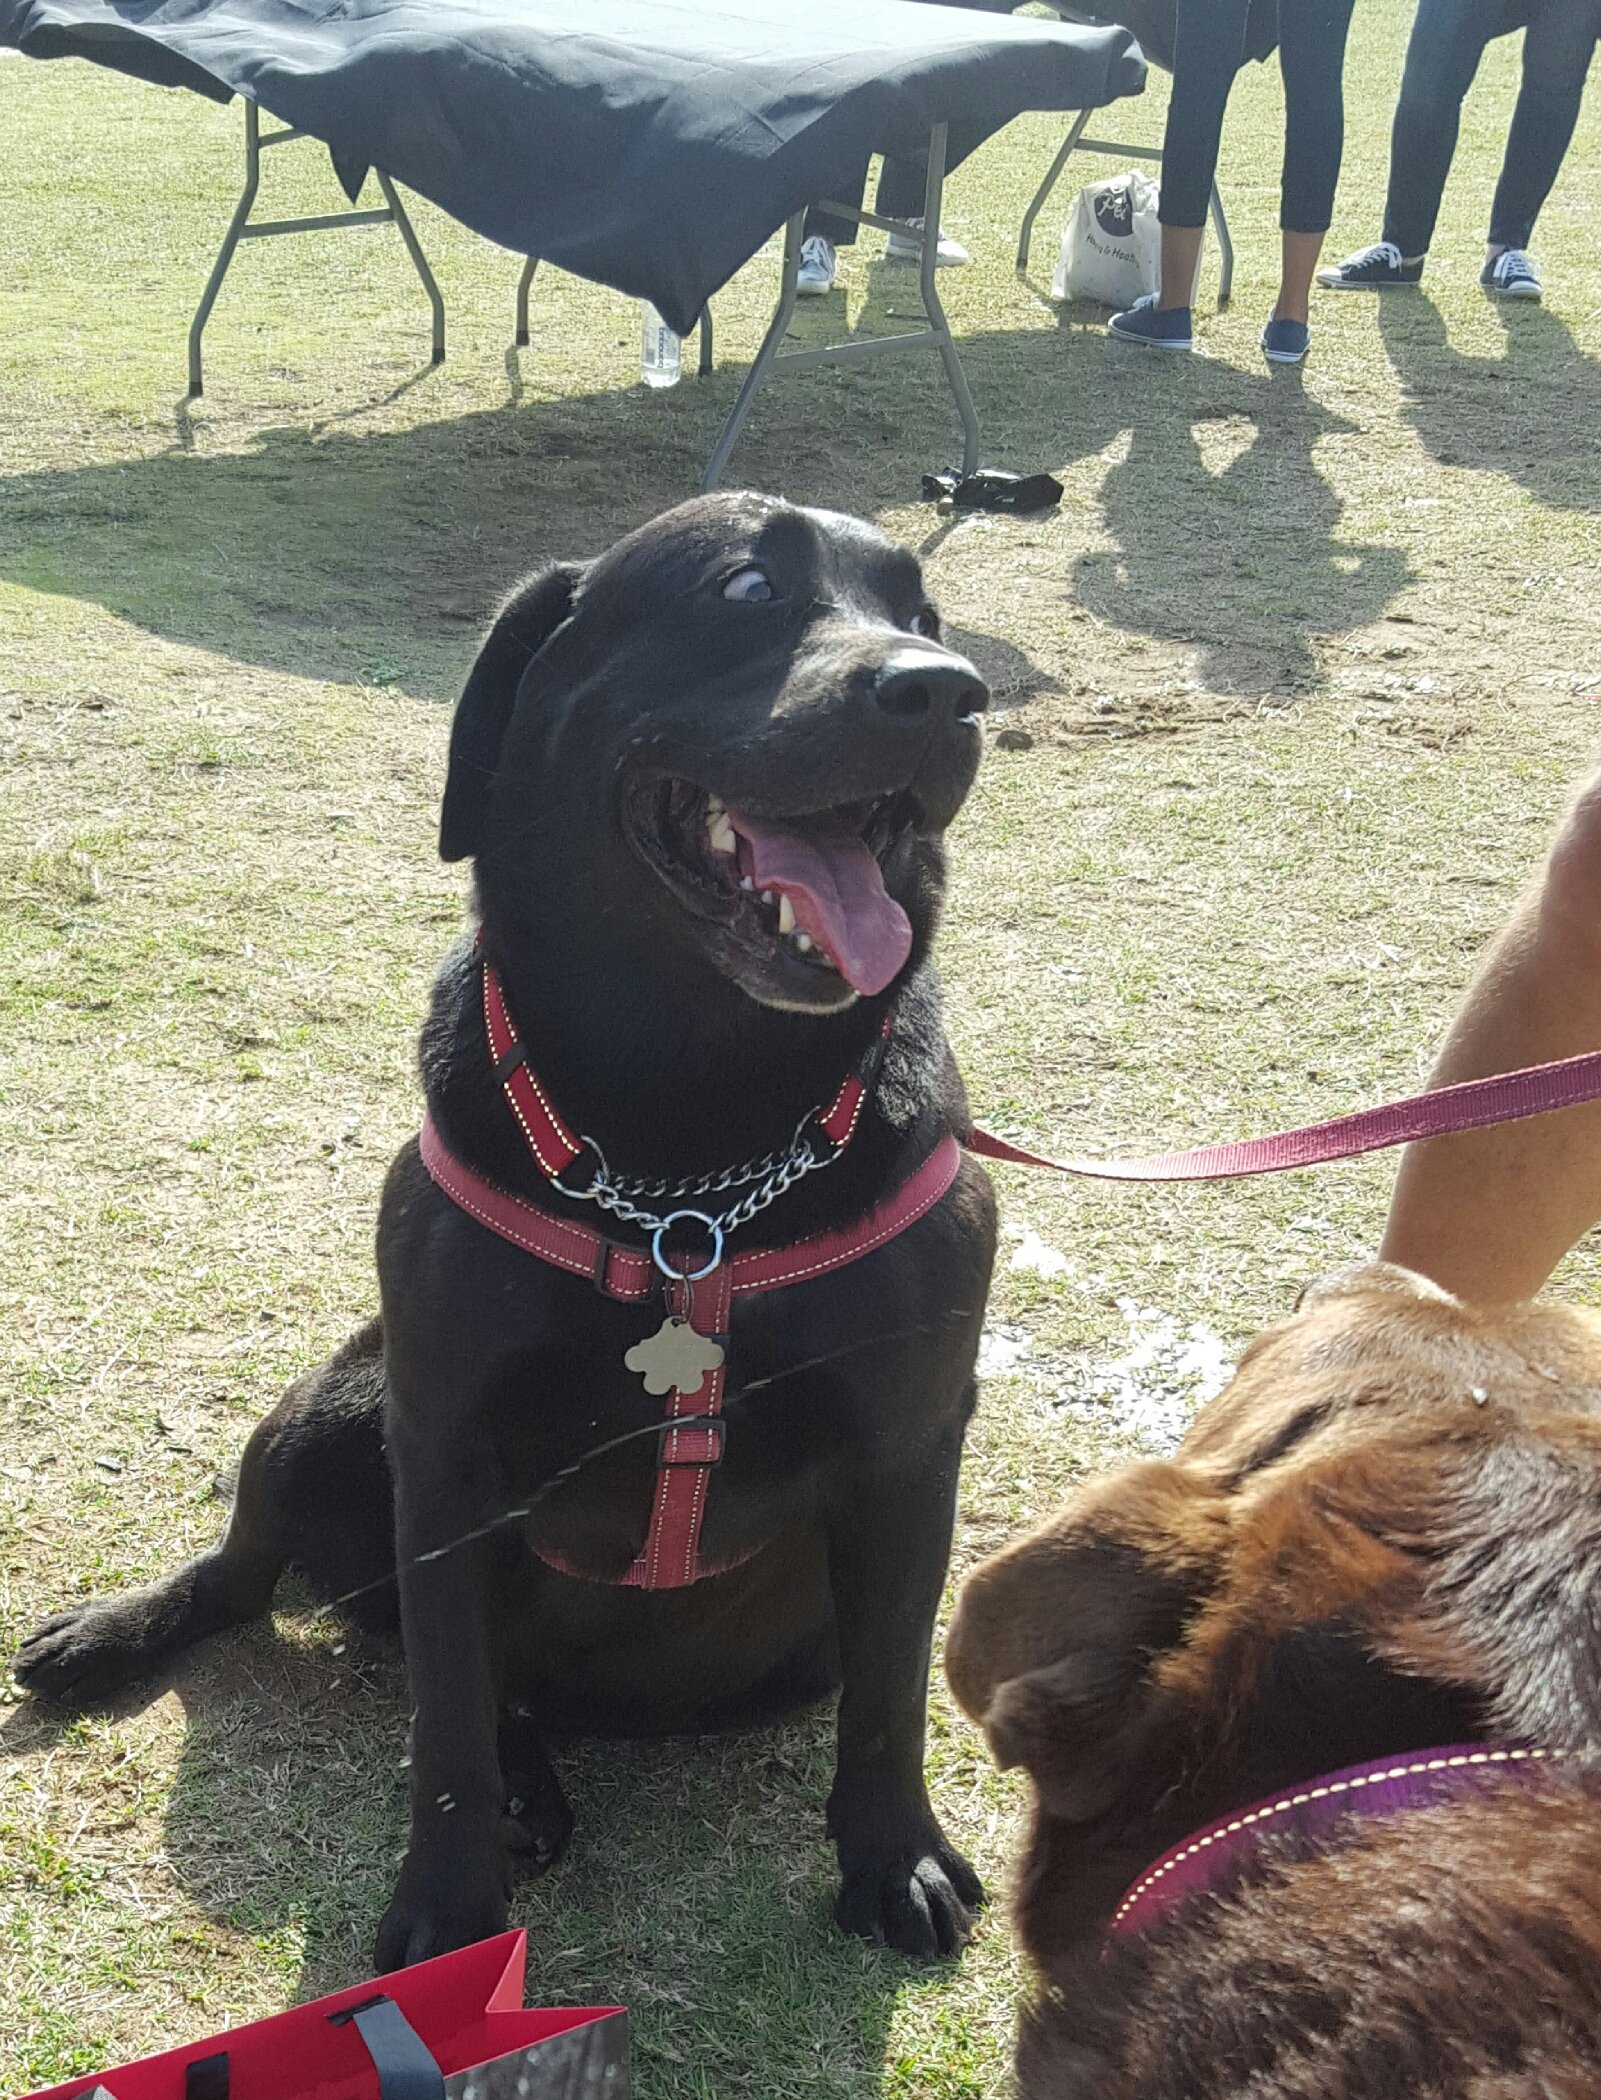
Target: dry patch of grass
1302,663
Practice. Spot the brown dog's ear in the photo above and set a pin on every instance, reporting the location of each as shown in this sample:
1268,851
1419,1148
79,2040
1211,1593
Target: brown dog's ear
1088,1755
1085,1726
1055,1640
524,624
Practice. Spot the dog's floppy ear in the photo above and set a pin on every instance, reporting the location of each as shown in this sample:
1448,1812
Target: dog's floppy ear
1054,1641
1082,1725
527,620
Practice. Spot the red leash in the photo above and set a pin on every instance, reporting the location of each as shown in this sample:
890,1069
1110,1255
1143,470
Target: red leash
1473,1105
685,1360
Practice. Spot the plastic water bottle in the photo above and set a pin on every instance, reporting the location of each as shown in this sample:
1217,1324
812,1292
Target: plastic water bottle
661,355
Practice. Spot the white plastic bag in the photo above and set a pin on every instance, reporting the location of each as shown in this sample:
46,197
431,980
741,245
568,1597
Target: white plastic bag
1112,249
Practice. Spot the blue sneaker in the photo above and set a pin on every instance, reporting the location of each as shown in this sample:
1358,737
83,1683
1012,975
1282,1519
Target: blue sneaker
1167,329
1510,276
1286,342
1373,269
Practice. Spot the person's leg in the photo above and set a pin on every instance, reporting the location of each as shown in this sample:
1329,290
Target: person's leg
1208,45
1557,49
1181,258
1208,49
1490,1213
1312,40
902,182
838,232
1447,42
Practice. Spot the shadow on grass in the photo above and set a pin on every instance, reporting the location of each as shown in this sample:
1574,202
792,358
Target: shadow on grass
1226,533
698,1889
333,552
1530,413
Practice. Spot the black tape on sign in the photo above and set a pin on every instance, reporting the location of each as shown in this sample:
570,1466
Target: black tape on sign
206,2078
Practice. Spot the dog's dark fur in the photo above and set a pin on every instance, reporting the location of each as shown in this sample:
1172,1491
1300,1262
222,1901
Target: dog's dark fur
683,1045
1386,1535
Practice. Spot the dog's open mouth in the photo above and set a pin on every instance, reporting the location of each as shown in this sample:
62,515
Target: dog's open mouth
798,894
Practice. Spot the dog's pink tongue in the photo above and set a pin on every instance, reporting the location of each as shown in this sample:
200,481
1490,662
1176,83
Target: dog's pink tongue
838,897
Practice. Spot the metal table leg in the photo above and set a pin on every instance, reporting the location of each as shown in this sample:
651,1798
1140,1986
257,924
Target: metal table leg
230,241
240,229
1225,245
777,329
524,286
419,261
1025,233
936,336
933,195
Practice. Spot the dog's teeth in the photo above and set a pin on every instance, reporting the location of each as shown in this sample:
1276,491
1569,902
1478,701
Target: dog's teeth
745,883
767,896
786,914
719,832
803,942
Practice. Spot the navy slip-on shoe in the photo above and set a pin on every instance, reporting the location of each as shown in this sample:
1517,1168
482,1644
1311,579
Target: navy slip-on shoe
1286,342
1373,269
1153,327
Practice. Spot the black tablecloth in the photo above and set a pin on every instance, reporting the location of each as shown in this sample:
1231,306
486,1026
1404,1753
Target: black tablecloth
1153,22
652,144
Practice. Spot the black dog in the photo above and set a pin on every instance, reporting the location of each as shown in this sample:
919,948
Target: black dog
703,781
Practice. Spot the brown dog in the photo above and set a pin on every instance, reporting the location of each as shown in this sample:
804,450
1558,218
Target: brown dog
1385,1535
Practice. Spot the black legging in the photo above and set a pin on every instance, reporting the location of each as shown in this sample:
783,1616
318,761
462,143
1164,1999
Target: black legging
1208,50
1448,40
902,184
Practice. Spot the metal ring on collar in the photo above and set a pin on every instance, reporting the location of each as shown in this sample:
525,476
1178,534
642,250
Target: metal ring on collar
602,1175
801,1148
714,1230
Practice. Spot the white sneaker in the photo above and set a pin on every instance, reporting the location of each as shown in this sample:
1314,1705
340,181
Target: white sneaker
819,266
908,247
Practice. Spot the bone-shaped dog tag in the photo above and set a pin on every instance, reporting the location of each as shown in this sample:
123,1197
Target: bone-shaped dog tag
674,1356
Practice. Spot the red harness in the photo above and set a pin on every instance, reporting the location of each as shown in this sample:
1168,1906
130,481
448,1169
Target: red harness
691,1442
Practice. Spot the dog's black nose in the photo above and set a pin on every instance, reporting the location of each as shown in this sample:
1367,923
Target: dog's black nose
916,683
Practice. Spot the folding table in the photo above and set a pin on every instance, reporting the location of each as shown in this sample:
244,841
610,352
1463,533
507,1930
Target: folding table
652,145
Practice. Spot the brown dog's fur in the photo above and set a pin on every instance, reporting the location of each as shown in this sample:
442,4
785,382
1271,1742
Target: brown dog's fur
1385,1535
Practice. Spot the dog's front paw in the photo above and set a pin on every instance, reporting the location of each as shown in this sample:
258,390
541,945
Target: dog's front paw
538,1823
85,1656
915,1894
443,1903
537,1818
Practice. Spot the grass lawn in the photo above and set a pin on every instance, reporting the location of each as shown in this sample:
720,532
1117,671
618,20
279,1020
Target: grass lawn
1303,661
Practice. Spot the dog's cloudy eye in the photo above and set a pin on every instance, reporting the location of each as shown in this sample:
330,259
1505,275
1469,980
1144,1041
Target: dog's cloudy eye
926,622
748,587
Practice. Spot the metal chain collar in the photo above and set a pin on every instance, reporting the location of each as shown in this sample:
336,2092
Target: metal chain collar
772,1174
643,1191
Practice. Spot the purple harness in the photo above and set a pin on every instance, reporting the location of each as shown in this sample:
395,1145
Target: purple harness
1416,1779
